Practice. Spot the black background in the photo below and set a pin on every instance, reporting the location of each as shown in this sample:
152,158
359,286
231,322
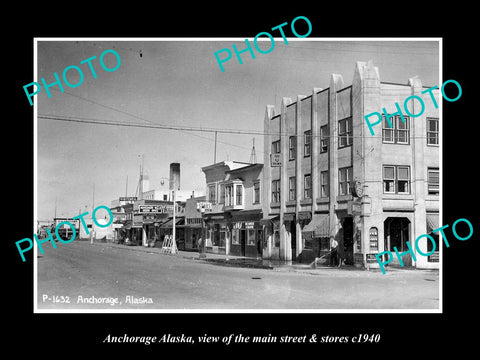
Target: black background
82,334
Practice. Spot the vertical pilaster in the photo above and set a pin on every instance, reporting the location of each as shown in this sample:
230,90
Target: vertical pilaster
285,238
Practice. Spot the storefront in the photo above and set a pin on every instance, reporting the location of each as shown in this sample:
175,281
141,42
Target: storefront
316,235
246,234
217,234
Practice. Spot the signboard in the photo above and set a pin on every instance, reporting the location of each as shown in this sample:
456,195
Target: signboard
207,206
275,160
128,198
155,208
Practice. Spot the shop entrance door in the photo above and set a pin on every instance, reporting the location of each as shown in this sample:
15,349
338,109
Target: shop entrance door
348,240
243,241
397,233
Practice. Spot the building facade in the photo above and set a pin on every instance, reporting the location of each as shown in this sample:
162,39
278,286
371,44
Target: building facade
326,176
233,225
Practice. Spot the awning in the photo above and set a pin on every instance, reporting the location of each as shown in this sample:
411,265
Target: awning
289,217
432,222
169,223
246,216
319,226
270,218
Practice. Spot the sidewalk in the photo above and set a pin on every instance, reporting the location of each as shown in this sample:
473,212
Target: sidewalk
275,265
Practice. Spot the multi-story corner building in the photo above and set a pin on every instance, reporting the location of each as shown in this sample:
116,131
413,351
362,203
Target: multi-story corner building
326,175
233,225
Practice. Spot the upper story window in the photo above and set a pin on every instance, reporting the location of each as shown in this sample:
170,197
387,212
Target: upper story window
344,179
292,147
345,133
307,142
324,138
396,179
221,190
276,147
239,194
432,131
307,186
324,184
291,188
256,192
398,133
275,191
433,181
212,193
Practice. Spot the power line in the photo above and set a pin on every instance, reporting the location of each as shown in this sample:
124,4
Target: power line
199,129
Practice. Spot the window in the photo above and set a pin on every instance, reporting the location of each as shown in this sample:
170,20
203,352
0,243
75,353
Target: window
324,184
276,147
228,194
399,133
345,132
396,179
276,191
236,236
256,192
239,194
307,187
389,179
373,239
432,131
344,179
292,147
403,179
324,139
307,141
251,237
221,200
212,193
291,188
433,181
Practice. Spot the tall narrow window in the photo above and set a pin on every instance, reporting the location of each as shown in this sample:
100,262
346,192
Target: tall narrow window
344,179
276,191
403,130
324,138
256,192
291,188
307,186
292,147
388,131
307,141
389,179
433,181
221,200
212,193
403,179
324,184
432,131
239,194
345,132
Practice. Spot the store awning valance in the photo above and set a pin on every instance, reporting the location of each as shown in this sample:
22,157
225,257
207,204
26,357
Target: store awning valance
432,222
169,223
319,226
268,219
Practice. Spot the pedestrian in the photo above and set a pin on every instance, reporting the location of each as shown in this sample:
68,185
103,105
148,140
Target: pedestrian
333,252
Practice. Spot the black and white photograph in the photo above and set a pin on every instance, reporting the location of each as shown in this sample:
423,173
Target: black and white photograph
210,183
178,181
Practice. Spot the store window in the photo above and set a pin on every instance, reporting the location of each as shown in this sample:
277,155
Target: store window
236,236
373,235
251,239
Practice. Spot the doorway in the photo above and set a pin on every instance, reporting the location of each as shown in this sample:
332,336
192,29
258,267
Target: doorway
397,233
347,226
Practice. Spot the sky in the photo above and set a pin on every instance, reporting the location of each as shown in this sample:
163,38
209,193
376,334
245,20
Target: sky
179,83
